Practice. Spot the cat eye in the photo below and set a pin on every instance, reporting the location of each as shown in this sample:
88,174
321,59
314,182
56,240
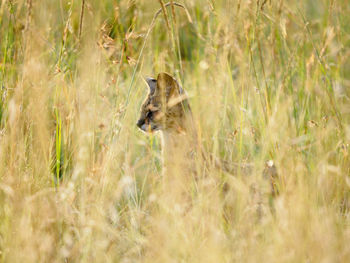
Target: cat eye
149,115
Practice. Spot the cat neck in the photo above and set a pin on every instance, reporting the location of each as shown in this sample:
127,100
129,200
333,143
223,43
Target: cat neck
178,143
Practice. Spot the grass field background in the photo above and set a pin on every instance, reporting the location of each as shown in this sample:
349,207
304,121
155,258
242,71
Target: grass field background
267,80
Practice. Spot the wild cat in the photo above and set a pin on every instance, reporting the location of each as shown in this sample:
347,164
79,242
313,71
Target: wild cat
166,109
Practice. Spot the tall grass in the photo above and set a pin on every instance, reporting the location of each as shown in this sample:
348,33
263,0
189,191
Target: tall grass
268,80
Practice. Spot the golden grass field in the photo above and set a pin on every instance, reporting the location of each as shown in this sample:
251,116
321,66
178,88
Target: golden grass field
267,80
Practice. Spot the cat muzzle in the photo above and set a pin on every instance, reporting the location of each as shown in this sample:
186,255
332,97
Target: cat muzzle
146,127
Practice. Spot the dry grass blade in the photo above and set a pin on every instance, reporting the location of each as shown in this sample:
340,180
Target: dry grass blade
81,18
165,14
173,11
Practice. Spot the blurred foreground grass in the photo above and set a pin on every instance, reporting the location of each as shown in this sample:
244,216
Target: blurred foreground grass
267,80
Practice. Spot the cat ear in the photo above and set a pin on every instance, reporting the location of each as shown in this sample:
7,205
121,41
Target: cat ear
152,83
167,84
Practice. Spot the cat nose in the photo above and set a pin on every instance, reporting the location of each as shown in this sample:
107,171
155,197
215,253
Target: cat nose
140,122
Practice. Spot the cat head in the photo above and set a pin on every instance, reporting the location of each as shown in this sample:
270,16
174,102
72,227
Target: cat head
165,106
